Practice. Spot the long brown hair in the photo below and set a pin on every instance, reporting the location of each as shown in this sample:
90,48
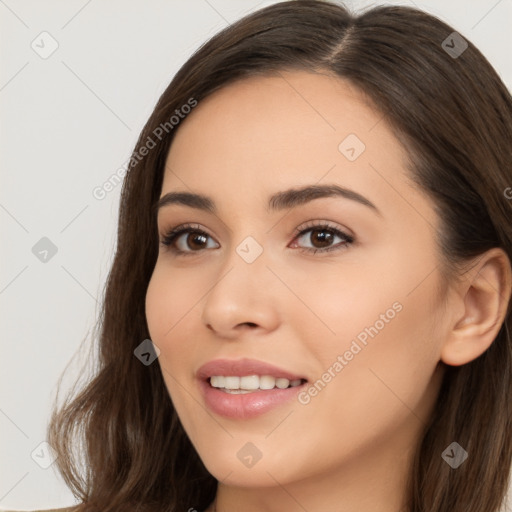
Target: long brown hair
453,115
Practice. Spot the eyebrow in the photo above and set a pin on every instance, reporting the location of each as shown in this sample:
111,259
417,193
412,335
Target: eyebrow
284,200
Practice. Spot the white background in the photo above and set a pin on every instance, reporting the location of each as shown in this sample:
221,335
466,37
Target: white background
68,122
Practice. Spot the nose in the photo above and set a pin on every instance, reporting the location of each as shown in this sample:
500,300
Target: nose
243,298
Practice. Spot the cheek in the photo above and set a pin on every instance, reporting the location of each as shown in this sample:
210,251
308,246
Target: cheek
170,299
380,321
156,305
173,307
382,388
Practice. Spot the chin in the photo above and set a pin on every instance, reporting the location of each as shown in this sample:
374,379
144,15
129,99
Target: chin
236,474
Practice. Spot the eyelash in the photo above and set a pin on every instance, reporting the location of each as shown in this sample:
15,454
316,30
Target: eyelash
175,233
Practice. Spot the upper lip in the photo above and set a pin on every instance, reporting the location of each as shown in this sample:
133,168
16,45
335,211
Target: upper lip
241,367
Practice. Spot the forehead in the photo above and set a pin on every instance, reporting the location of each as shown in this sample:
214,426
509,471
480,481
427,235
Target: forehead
263,134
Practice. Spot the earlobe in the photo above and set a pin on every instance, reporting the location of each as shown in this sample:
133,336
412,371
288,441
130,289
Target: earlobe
485,294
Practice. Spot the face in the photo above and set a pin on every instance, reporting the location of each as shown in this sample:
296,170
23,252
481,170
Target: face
338,295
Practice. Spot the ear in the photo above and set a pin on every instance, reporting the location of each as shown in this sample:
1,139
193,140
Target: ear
483,296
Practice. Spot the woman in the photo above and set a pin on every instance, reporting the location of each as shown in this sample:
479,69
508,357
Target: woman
341,338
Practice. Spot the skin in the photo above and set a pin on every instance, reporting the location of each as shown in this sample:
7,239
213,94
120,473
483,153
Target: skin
349,448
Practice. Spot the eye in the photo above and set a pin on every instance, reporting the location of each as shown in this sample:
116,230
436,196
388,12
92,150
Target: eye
188,239
322,236
177,242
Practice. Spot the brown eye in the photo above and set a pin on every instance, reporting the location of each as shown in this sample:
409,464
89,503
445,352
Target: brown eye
194,239
189,240
186,240
321,238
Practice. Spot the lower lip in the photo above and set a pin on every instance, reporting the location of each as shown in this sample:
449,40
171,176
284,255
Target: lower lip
246,405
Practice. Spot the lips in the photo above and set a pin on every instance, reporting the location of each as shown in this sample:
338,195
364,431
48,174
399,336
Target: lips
249,404
242,367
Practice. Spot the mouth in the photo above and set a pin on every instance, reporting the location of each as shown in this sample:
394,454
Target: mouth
245,388
251,383
225,395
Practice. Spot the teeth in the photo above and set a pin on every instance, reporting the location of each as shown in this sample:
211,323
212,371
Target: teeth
217,381
282,383
249,383
232,382
267,382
